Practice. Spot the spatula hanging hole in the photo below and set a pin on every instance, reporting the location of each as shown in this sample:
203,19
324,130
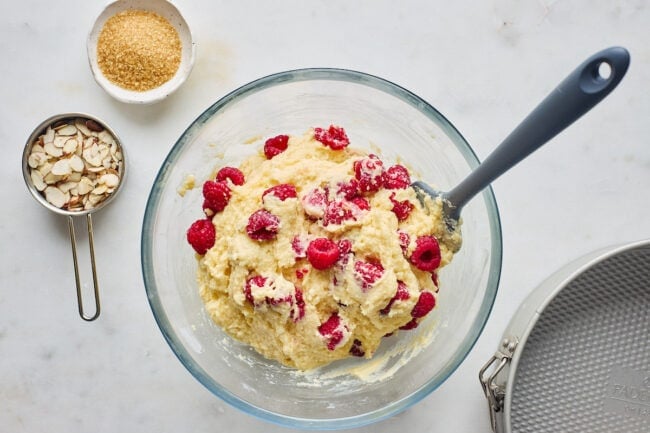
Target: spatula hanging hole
604,71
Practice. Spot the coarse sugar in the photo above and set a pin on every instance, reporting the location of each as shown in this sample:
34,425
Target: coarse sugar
138,50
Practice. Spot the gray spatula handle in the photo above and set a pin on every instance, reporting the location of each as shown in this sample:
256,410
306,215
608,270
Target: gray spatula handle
578,93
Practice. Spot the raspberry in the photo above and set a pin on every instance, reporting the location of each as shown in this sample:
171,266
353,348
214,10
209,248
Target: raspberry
322,253
298,310
361,203
397,177
345,249
216,194
257,281
234,174
410,325
294,298
201,235
345,246
434,279
367,273
282,191
370,173
357,348
314,202
426,255
300,273
330,325
299,246
206,209
404,241
402,294
425,304
332,330
262,225
336,212
273,301
401,208
334,137
275,145
348,190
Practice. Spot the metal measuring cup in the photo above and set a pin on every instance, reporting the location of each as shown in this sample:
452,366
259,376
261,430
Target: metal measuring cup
35,183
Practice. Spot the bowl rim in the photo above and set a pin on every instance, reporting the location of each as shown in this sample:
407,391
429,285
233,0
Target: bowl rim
494,273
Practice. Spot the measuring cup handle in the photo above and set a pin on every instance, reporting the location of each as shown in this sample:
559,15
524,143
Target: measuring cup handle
73,241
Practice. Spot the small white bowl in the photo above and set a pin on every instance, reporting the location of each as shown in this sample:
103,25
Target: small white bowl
171,14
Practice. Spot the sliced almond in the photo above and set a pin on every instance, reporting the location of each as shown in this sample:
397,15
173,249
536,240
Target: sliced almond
81,126
96,162
74,203
110,180
85,186
45,168
100,190
91,152
61,167
51,178
52,150
67,130
70,146
106,162
106,137
37,148
36,158
59,140
48,137
67,186
76,163
55,196
75,176
104,150
95,198
32,161
37,180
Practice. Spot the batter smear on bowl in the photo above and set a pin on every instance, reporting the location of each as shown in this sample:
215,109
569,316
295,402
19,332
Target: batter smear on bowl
319,250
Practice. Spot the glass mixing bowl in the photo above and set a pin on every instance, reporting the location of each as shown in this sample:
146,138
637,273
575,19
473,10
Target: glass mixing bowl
378,116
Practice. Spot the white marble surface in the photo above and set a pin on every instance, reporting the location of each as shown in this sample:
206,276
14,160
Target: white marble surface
484,64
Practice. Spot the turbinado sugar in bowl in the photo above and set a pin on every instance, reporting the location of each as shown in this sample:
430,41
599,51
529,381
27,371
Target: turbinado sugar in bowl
138,50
